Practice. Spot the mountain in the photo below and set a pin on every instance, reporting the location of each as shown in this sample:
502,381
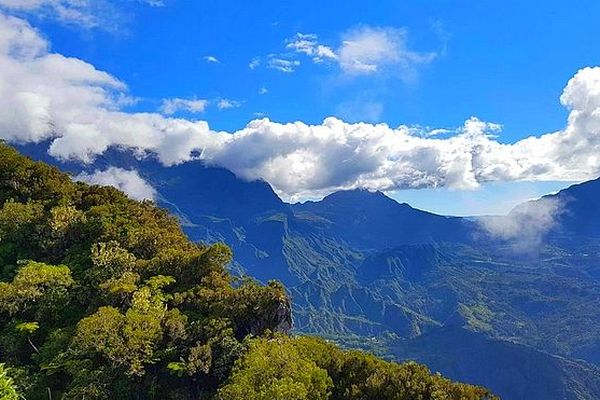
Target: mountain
514,370
214,205
359,264
579,212
371,220
366,271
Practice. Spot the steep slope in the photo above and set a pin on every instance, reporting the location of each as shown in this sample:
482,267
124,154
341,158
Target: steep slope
513,371
576,210
371,220
550,303
111,296
214,205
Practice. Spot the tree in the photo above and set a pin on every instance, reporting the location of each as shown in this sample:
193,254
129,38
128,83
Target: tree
37,289
273,369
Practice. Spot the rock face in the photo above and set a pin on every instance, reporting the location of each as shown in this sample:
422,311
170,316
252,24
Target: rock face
278,320
282,317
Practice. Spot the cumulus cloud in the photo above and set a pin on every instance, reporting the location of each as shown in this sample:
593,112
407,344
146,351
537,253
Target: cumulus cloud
45,96
303,160
171,106
128,181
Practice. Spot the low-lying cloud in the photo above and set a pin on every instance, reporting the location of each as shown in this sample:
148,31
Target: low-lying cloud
527,224
128,181
46,96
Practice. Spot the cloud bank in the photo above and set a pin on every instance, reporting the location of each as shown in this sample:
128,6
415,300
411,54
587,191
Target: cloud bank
79,109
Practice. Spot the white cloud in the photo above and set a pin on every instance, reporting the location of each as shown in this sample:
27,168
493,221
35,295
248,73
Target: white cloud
224,104
48,96
89,14
308,44
369,50
128,181
282,64
78,109
364,51
323,52
171,106
303,43
527,224
211,59
254,63
68,11
302,160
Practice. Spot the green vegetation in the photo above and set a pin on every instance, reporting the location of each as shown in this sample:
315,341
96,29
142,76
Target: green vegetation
7,387
104,297
286,368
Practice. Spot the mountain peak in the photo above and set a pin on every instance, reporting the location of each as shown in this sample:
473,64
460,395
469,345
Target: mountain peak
360,198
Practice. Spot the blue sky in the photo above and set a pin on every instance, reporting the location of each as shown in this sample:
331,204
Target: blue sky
504,62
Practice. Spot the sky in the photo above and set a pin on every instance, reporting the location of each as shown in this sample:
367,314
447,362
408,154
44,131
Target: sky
458,107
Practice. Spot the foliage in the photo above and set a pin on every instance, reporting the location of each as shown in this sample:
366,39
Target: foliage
103,297
274,369
309,368
7,388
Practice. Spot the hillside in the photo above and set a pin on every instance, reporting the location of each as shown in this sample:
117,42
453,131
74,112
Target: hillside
516,371
103,297
579,214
